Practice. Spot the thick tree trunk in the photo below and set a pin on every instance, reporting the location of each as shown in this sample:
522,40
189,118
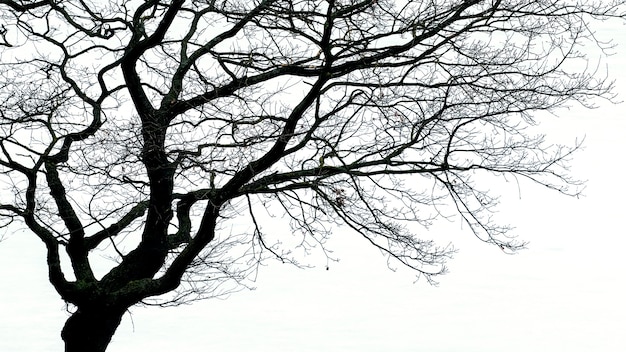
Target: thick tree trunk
91,329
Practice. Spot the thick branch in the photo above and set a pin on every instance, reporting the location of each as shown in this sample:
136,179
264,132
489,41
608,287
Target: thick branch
133,214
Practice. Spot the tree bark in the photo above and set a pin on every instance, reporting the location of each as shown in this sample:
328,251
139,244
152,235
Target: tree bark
91,329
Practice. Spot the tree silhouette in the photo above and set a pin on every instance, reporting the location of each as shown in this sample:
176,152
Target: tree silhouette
145,130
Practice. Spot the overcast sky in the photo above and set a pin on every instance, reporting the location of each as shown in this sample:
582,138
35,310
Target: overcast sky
564,293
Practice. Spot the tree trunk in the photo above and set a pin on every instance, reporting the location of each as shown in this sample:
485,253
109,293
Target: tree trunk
91,329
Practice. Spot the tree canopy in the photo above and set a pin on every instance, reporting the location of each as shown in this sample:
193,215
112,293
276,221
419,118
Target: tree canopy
147,129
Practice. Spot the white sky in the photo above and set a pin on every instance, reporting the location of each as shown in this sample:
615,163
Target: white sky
565,293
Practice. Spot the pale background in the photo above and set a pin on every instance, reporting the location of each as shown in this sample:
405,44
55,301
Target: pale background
565,293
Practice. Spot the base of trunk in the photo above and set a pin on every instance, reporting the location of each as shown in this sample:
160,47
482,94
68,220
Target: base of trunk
91,329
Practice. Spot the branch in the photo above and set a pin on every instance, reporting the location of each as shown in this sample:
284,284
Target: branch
113,230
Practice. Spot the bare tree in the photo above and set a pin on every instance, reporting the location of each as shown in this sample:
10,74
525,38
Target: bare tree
146,129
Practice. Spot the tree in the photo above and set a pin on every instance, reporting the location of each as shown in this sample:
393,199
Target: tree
146,129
